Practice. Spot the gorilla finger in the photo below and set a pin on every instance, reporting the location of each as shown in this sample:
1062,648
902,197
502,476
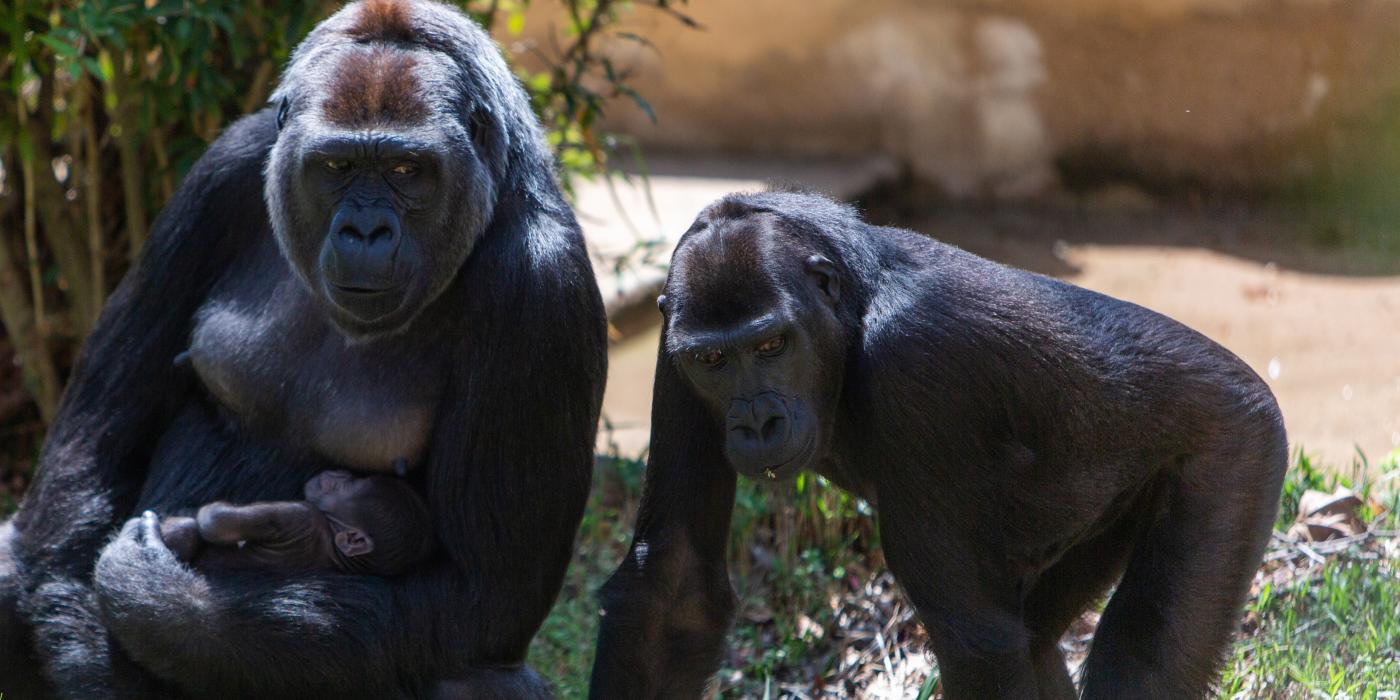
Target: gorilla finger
150,530
131,529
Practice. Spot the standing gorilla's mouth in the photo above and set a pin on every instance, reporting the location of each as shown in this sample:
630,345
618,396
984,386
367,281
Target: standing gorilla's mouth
798,460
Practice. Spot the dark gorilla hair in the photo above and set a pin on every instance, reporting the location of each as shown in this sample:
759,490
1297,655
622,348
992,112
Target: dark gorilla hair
1026,445
444,80
432,303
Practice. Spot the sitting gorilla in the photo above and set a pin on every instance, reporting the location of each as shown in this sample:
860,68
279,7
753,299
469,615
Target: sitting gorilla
374,525
378,270
1025,443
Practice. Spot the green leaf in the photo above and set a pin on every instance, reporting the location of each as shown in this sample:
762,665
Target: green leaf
60,47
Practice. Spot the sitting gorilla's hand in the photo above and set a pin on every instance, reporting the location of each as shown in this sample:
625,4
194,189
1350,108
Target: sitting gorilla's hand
140,584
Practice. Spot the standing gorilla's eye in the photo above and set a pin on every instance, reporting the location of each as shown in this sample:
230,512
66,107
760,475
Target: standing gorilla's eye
337,165
709,358
772,346
405,168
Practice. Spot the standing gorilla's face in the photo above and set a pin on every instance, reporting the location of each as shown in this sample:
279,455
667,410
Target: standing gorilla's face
752,328
377,196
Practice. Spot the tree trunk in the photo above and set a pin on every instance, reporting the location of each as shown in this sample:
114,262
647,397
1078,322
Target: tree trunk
40,375
126,133
60,228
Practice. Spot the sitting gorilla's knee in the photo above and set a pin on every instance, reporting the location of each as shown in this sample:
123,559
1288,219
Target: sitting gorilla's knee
519,683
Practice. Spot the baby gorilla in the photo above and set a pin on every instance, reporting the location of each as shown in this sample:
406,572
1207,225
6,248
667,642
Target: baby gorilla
373,525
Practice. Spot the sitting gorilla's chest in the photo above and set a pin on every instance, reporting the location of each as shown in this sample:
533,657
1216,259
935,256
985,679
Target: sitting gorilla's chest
285,374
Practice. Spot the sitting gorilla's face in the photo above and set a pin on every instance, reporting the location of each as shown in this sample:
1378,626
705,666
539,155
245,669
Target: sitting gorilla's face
751,326
377,191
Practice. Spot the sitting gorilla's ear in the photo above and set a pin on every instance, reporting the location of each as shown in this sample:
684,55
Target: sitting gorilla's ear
353,543
661,303
824,273
282,110
479,125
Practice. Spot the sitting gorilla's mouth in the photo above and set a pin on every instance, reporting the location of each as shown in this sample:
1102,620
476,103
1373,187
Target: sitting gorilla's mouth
367,303
364,290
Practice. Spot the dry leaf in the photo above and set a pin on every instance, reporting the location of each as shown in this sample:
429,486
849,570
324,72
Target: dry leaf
1324,516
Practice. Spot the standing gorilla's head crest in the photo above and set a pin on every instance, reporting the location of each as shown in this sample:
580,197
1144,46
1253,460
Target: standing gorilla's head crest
403,133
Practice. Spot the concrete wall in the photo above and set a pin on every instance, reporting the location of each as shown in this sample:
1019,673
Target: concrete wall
984,98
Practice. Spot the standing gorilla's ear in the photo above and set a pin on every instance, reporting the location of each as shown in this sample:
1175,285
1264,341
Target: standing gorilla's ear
282,110
661,303
823,272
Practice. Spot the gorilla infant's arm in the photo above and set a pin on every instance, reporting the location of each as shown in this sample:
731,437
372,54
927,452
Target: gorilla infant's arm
372,525
286,537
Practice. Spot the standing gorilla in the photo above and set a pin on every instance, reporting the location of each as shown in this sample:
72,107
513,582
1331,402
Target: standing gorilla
1025,443
379,271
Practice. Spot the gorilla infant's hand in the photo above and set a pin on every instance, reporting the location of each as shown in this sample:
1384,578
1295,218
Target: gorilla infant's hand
181,535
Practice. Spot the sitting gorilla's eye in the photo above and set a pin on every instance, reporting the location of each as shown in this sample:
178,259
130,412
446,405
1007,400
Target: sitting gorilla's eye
405,168
337,165
709,358
772,346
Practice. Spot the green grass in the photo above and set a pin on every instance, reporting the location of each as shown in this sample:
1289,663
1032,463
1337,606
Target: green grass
1333,632
1334,635
563,649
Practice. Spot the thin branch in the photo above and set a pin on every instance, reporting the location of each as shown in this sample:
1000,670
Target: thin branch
92,196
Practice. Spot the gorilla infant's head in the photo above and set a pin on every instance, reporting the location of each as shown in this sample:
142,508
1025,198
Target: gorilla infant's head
757,326
390,157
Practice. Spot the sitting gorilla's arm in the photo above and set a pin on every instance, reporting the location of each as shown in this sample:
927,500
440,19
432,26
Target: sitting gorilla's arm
666,610
94,460
507,473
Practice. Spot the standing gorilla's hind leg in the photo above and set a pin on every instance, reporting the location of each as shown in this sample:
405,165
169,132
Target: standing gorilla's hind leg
1166,628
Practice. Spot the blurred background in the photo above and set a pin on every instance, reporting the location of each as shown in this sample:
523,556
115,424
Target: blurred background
1234,164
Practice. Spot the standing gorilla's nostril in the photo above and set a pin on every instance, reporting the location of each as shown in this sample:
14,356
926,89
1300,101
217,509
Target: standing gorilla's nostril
758,427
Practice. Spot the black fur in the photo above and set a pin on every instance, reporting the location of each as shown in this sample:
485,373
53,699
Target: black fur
507,354
1026,444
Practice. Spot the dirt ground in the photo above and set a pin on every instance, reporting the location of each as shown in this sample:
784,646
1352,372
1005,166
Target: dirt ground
1320,324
